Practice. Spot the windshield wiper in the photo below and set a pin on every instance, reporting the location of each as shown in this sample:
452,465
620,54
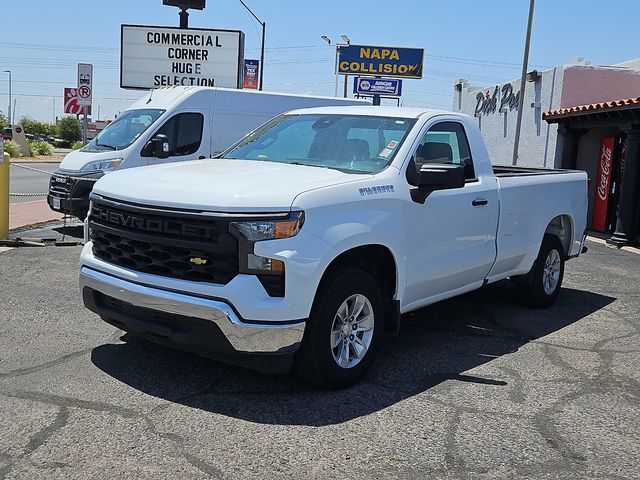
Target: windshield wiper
98,144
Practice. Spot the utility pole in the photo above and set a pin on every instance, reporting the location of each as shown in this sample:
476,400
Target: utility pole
264,27
523,83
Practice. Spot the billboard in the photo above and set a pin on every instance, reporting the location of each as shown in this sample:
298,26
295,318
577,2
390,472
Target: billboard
388,61
153,57
251,68
388,87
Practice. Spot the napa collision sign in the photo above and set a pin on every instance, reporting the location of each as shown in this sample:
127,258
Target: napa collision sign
384,61
154,57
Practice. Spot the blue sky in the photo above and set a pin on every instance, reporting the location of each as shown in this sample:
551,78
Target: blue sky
482,40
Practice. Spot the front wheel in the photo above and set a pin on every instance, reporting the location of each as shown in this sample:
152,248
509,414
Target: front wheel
344,331
540,287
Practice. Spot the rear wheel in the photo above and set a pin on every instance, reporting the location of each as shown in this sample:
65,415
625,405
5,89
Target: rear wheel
540,287
344,331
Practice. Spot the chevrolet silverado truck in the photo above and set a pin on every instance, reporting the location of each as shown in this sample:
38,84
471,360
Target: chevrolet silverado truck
306,240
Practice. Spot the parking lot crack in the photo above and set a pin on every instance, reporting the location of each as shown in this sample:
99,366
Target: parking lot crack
43,366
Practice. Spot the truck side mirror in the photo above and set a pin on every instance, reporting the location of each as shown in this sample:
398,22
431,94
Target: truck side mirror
157,147
436,176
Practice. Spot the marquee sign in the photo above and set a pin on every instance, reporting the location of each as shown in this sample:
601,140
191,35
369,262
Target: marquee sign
153,57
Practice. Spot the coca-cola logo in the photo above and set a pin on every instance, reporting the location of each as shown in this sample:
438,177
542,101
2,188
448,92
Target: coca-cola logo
605,170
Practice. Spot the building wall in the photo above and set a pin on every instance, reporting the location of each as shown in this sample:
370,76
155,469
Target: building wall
537,138
585,84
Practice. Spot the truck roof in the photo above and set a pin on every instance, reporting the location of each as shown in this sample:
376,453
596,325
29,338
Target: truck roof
377,111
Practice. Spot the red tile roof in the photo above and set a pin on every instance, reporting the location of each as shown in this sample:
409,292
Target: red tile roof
626,102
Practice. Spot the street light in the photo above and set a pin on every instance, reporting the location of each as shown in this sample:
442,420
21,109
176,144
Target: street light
346,43
9,110
264,26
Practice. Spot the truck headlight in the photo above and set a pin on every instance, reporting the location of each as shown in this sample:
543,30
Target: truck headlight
257,230
102,165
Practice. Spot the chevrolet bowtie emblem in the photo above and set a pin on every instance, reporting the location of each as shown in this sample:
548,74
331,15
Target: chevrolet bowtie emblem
198,261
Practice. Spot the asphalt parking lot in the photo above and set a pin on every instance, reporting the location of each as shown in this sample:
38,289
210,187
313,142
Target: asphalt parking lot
475,387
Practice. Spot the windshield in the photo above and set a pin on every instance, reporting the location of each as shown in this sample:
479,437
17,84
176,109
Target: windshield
350,143
124,130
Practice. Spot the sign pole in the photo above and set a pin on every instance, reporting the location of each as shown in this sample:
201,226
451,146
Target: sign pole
84,125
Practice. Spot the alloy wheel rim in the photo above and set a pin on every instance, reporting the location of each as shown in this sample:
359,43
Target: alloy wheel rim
352,331
551,272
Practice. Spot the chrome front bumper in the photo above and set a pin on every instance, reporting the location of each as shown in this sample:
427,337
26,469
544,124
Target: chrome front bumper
243,337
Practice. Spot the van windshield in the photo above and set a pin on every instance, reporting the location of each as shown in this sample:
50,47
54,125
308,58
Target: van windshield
350,143
124,130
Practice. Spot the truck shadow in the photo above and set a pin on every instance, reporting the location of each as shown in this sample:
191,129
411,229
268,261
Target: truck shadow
436,344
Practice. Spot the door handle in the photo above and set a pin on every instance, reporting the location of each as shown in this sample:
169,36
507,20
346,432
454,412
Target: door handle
201,157
479,201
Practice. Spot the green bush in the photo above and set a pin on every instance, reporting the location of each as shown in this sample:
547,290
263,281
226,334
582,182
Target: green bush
12,148
77,145
40,147
70,129
3,122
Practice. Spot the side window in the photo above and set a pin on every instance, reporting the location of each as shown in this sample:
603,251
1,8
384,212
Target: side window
184,132
445,142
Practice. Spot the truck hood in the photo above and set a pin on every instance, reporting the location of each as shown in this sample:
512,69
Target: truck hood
219,184
77,159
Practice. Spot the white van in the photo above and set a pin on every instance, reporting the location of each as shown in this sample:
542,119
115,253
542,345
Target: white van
170,125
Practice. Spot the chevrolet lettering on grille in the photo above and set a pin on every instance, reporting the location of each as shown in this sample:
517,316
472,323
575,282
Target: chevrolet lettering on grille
152,225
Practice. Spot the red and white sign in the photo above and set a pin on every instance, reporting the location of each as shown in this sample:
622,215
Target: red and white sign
85,83
603,182
71,104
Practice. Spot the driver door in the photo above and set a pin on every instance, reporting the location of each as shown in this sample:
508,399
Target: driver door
450,240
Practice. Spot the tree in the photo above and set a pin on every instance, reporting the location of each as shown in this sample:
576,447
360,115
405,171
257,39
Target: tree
69,129
3,121
37,128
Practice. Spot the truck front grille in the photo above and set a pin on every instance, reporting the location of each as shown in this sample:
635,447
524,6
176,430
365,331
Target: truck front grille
174,244
60,185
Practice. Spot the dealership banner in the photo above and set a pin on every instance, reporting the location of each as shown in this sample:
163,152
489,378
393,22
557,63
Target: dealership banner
383,61
251,68
603,182
153,57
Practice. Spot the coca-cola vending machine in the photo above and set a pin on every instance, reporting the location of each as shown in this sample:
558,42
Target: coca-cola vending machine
610,162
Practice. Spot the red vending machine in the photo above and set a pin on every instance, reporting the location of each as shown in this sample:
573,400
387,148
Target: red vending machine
607,195
603,184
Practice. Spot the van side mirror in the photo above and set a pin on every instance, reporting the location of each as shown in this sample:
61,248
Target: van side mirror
157,147
437,176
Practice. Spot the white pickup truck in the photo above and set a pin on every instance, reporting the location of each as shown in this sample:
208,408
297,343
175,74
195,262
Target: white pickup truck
306,240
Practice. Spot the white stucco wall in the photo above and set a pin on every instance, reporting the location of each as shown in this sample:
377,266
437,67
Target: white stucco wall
537,138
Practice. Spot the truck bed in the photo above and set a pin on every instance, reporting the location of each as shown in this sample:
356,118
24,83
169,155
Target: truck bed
513,171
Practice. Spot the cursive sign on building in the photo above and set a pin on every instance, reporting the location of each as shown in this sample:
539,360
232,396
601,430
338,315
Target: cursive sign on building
487,102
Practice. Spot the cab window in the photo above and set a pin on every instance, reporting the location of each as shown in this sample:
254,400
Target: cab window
184,133
445,142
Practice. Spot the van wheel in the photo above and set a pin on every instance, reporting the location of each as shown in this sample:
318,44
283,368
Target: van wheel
344,330
540,287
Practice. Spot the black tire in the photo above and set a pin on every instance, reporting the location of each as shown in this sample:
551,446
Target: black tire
531,288
314,362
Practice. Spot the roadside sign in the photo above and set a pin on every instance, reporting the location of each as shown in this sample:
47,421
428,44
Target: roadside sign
389,87
251,68
154,57
397,62
85,83
71,104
